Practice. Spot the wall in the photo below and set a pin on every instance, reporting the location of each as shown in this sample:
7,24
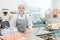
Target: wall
13,4
56,4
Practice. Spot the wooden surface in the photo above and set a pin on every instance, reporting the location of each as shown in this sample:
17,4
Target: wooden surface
19,36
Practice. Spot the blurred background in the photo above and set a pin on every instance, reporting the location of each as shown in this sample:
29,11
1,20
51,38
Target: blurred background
43,13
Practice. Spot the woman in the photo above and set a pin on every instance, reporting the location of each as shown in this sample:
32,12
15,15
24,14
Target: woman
21,22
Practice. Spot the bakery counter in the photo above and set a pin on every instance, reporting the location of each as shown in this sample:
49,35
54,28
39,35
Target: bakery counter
39,31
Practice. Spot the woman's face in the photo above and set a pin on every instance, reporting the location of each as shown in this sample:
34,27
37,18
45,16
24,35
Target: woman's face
21,8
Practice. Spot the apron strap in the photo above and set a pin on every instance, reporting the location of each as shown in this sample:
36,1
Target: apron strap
18,17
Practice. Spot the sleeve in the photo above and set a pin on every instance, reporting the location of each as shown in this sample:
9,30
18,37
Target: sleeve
10,17
30,24
13,23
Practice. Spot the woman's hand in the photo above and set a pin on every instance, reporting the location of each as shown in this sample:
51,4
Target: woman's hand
27,31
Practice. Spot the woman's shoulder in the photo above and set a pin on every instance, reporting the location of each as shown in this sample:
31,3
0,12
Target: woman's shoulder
14,15
28,16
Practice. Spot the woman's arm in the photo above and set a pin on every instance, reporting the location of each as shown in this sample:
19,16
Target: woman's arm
13,23
30,24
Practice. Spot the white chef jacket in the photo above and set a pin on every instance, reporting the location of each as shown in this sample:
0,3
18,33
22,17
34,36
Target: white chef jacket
13,20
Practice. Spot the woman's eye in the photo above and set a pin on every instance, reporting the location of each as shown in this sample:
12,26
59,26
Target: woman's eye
23,8
19,7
